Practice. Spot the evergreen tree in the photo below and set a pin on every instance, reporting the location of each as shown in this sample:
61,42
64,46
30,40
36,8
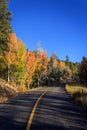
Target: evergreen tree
83,71
67,58
5,26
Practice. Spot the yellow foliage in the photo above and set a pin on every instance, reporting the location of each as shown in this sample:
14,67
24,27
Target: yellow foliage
55,63
61,65
22,88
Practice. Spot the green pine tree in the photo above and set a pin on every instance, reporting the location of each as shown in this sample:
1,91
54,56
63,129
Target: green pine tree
5,26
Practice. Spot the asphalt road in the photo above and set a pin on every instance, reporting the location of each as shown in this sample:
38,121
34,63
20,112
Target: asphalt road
55,111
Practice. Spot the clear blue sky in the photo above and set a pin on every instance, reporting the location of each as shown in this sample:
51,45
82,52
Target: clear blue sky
59,25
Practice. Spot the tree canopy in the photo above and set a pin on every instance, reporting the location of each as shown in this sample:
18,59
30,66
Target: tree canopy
5,26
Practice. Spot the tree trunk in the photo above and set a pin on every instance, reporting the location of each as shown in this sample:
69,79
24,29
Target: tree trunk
8,75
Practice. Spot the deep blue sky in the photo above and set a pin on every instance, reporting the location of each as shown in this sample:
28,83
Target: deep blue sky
59,25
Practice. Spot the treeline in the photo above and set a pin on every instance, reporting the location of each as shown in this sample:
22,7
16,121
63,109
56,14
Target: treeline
23,68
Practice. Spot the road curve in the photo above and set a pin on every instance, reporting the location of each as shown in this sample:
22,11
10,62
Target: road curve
54,111
15,113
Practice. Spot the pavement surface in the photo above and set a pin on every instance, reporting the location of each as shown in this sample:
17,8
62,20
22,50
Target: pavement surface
54,111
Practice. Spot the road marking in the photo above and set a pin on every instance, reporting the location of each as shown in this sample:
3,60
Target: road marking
33,111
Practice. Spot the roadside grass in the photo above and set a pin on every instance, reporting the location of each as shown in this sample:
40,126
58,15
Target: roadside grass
23,89
78,94
20,92
7,91
3,99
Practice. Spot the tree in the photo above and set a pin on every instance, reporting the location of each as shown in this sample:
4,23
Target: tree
83,71
20,69
61,72
3,67
61,65
52,68
67,58
41,66
5,30
30,67
16,61
5,26
44,62
10,54
53,63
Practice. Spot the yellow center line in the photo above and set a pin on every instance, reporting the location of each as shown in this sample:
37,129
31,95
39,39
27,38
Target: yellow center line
33,112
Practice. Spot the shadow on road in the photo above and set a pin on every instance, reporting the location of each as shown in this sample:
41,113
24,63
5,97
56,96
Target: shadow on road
56,111
15,113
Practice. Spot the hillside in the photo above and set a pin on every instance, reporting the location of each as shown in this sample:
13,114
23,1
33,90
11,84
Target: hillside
6,91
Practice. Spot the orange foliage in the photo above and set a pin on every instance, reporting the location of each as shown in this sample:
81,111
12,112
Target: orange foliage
44,60
70,73
55,63
30,67
41,62
61,65
12,45
13,38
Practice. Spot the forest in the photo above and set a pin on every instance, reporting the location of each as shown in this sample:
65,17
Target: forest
25,68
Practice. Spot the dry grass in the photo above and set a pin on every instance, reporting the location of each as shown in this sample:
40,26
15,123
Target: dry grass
6,91
73,89
79,94
3,99
24,90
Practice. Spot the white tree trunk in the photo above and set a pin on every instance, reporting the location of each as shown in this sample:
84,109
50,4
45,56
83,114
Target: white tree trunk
8,75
